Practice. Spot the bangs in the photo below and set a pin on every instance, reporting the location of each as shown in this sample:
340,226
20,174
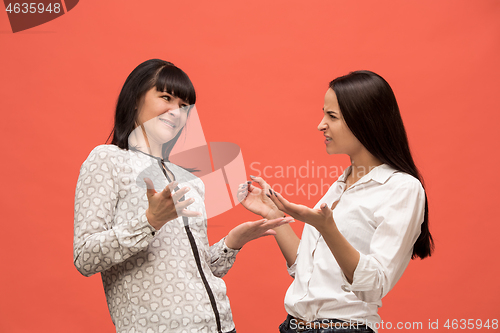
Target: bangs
174,81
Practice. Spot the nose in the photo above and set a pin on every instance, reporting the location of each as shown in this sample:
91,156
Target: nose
174,111
322,125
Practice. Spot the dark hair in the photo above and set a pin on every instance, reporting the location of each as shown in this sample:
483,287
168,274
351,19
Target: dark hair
371,112
161,74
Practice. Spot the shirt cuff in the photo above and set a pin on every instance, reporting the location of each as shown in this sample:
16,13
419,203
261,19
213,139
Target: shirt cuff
358,276
147,228
291,269
227,251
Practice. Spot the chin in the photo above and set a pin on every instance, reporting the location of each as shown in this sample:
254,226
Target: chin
330,151
166,139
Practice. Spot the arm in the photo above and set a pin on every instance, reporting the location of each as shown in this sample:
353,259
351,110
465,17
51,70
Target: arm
391,246
103,238
371,276
101,241
224,252
322,219
288,242
255,200
222,258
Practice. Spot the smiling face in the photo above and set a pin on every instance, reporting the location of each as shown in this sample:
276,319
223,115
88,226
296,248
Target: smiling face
338,137
162,114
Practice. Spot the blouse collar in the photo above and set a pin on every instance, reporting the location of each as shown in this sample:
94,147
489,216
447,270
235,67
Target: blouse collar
379,174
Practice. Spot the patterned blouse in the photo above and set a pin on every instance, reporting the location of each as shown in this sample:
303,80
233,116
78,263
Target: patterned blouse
153,280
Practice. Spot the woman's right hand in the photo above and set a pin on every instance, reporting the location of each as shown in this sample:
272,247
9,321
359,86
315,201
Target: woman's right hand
255,200
165,206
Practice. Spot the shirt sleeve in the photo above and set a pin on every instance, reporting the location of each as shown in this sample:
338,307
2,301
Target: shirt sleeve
292,269
391,247
222,258
100,239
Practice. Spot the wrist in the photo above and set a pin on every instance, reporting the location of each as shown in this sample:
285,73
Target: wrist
152,221
231,242
327,228
274,214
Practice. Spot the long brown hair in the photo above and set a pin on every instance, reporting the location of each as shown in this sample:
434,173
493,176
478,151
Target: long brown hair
371,112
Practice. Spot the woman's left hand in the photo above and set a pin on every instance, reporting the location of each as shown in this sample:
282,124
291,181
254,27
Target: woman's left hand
248,231
318,218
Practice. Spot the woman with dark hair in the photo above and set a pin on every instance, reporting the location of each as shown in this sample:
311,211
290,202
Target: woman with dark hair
158,270
360,237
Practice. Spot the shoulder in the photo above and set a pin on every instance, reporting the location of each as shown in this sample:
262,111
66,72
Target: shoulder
402,184
108,153
403,179
105,158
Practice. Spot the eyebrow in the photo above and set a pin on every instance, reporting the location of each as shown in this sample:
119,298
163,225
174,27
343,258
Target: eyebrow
330,111
171,94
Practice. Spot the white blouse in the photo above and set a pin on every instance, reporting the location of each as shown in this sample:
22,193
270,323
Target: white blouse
150,277
380,215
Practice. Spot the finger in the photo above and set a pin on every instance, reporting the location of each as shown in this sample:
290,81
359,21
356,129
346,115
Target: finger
279,219
254,189
189,213
260,181
276,200
285,203
242,195
269,232
271,224
173,185
259,222
180,193
325,210
242,190
166,193
150,187
245,184
335,204
180,205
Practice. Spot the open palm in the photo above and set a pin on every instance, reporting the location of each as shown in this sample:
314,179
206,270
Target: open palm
255,200
318,218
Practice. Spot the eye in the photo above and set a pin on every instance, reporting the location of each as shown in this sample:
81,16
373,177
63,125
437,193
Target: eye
332,116
167,97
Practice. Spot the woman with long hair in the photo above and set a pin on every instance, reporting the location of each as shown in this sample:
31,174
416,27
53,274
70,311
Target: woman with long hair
360,237
140,220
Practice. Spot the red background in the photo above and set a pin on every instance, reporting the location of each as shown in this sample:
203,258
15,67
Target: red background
261,70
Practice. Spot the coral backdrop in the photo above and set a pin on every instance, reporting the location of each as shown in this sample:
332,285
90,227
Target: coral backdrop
261,69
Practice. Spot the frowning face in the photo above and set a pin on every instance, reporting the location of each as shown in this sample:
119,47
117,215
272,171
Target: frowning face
338,137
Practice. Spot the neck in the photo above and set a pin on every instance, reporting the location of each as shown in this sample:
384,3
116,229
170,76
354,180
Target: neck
139,139
361,164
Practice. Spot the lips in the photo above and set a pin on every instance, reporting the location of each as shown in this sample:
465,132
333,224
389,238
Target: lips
168,122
